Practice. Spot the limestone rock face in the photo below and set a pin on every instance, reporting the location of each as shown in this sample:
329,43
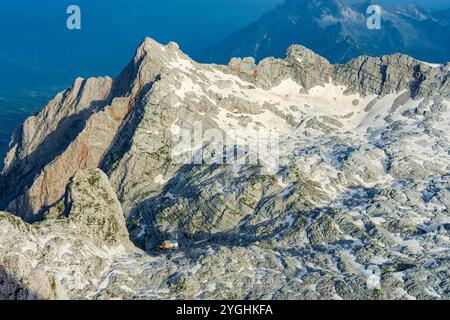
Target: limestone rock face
64,258
349,201
390,74
37,166
61,115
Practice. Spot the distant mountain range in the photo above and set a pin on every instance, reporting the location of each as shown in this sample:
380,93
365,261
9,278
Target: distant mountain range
337,30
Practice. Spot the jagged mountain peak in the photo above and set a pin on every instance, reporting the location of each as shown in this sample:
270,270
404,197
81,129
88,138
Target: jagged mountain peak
151,47
303,54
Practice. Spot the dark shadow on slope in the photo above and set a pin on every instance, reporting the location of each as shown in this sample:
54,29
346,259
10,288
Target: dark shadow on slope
148,210
245,235
241,233
24,172
123,139
12,289
418,78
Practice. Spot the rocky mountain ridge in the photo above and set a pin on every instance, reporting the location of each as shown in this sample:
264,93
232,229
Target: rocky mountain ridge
357,206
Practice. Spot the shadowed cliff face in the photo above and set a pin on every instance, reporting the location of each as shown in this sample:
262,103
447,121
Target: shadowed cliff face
13,289
358,192
67,138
